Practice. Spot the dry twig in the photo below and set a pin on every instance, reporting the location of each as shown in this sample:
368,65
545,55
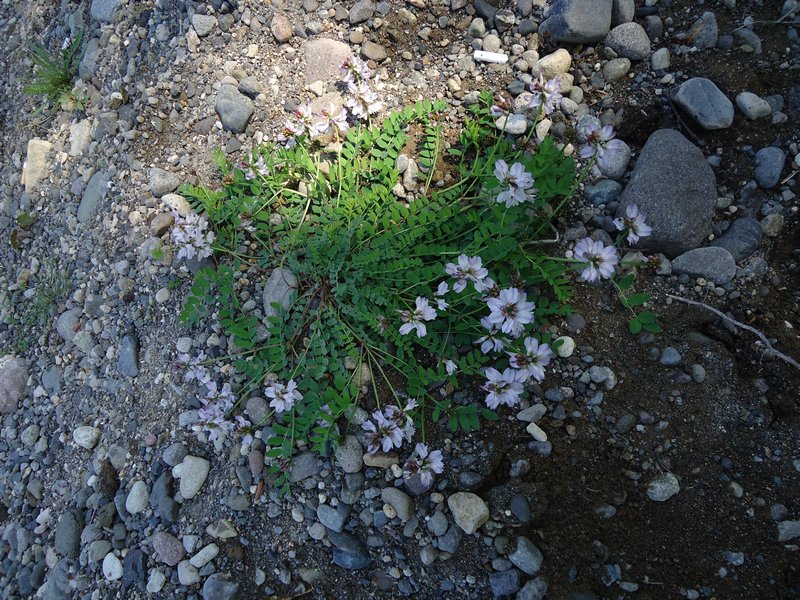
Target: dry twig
770,349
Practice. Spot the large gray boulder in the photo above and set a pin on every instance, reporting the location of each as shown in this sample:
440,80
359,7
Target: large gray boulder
675,188
577,21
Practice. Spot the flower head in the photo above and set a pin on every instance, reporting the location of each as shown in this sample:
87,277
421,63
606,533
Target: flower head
450,366
518,182
469,268
414,319
424,463
510,311
363,101
283,397
491,342
303,122
503,388
354,70
600,259
190,234
633,223
532,362
384,433
599,142
335,119
546,95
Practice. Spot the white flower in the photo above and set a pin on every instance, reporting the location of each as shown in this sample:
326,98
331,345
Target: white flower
546,95
450,366
504,388
469,268
441,303
414,320
385,435
283,397
334,118
363,101
600,259
190,234
633,223
532,362
600,143
425,463
518,181
304,122
354,70
511,311
490,342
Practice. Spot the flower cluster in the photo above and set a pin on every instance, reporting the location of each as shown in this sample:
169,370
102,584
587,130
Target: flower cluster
423,463
217,402
283,397
390,427
258,168
363,101
414,320
546,95
599,142
601,260
517,181
191,235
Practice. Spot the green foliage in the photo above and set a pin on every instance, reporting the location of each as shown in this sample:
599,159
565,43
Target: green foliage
362,255
33,308
643,320
53,74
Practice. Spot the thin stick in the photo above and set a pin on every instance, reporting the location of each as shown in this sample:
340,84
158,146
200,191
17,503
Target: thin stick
761,336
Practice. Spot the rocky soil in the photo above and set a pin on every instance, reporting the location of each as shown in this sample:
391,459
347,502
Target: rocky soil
663,466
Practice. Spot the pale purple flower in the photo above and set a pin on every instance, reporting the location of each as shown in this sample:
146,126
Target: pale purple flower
283,397
518,181
363,101
384,433
402,417
532,362
491,342
441,303
633,223
242,427
511,311
335,118
546,95
450,366
354,70
600,143
600,259
425,463
211,421
252,171
469,268
191,235
504,388
195,371
414,320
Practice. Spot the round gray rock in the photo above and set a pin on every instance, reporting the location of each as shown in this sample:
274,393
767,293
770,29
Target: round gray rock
577,21
663,487
629,40
714,263
769,164
234,108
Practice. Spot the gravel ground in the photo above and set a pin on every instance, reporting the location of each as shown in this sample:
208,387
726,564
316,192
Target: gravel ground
658,467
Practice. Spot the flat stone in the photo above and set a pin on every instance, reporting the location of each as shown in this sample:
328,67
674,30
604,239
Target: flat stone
163,182
469,511
616,163
86,436
222,530
504,583
622,11
660,59
553,64
603,192
788,530
532,414
205,555
174,454
168,548
577,21
192,473
741,239
156,581
520,508
203,24
675,188
333,518
711,262
137,498
373,51
93,195
769,165
36,168
400,501
234,108
279,288
512,124
663,487
218,587
616,69
526,556
535,589
705,103
322,59
68,534
380,460
349,455
361,11
129,355
752,106
187,574
349,552
105,11
13,377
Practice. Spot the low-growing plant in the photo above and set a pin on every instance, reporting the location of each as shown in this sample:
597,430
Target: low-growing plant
396,290
53,74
